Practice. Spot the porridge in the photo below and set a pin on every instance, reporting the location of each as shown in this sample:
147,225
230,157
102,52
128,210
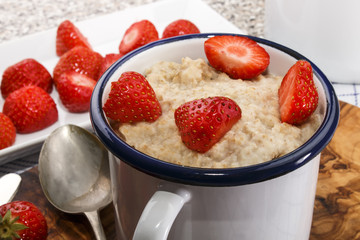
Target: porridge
257,137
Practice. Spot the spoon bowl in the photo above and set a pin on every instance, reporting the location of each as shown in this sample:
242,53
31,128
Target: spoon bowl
74,173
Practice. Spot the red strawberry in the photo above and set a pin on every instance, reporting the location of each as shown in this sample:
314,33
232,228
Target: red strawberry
239,57
179,27
137,35
7,131
22,220
203,122
132,99
30,109
298,97
75,91
109,59
79,59
24,73
69,36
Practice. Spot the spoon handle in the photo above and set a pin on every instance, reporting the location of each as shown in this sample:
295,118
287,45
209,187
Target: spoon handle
95,222
9,185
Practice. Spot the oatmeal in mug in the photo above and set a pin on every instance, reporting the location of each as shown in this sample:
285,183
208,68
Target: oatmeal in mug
257,137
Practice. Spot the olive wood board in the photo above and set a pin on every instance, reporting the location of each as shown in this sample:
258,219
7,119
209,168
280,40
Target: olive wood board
337,203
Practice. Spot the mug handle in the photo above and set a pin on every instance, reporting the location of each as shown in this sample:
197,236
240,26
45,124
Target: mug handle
159,214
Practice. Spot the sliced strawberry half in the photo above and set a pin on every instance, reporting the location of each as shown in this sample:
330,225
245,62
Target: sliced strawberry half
109,59
137,35
203,122
239,57
298,96
132,99
180,27
75,91
24,73
79,59
69,36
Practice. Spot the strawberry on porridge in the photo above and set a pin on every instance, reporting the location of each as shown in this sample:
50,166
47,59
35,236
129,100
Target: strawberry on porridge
201,117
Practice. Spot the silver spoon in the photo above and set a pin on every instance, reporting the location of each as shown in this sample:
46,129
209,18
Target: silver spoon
9,185
74,173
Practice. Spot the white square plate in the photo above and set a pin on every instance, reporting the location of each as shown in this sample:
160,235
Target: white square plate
104,34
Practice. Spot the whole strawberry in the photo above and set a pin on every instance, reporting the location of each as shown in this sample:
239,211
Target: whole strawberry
22,220
239,57
30,109
298,96
7,131
137,35
79,59
69,36
180,27
24,73
75,91
203,122
132,99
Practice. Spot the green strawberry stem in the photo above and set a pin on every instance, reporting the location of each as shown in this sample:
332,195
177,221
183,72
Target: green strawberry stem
9,227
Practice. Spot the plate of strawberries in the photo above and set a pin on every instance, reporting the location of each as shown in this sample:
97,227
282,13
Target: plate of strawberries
47,78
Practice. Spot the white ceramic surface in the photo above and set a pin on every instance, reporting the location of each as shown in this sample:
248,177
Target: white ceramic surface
277,209
326,31
41,46
202,203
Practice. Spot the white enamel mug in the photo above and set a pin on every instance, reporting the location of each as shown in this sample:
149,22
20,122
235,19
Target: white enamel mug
326,31
154,199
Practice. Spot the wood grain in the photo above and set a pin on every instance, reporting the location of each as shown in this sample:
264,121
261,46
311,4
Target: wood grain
337,203
62,225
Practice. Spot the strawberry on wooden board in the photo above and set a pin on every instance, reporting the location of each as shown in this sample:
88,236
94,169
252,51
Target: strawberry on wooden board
75,91
137,35
30,109
79,59
203,122
239,57
132,99
180,27
298,96
109,59
22,220
69,36
7,131
24,73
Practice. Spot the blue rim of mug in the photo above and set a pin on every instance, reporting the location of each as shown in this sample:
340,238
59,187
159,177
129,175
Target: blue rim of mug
206,176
